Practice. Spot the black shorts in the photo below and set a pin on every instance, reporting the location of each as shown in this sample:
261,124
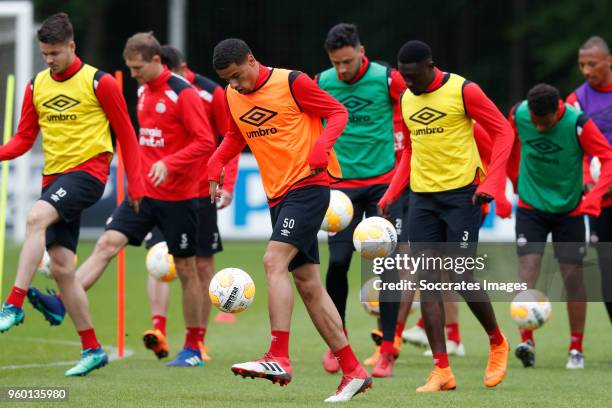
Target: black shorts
208,240
568,234
297,219
364,201
445,217
70,194
177,221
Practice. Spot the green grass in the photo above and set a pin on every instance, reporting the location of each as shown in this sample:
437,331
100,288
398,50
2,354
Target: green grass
142,380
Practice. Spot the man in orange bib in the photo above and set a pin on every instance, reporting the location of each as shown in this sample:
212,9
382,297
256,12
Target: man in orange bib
278,113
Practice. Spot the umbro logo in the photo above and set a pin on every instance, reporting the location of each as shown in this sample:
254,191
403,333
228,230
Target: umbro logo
427,115
544,146
257,116
355,103
61,103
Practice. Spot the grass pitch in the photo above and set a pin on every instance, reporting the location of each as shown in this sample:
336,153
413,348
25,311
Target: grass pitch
35,354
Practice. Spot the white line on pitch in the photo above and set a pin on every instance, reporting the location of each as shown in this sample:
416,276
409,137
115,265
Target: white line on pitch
112,356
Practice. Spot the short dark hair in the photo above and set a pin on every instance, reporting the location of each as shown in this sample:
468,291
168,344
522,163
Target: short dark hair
543,99
342,35
596,42
230,51
171,57
413,52
143,44
56,29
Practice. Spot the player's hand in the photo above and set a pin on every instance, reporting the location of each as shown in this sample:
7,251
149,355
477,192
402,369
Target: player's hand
318,159
135,204
213,190
224,200
384,205
158,173
481,198
503,207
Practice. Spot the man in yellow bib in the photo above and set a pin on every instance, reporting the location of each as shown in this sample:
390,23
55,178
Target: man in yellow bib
74,105
443,169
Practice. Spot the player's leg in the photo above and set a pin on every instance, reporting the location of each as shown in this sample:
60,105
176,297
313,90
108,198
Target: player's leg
39,218
336,280
603,226
275,365
389,300
426,231
177,220
340,253
570,248
454,346
532,228
462,220
159,297
208,244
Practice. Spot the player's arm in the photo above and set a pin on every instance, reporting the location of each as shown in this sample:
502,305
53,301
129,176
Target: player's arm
220,119
231,146
192,115
594,143
503,208
113,103
315,101
480,108
401,178
27,130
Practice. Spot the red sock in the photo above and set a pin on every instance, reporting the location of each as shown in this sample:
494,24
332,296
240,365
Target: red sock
387,347
420,323
495,336
16,297
576,341
279,343
441,360
452,332
191,338
399,329
88,339
202,334
159,323
527,335
347,359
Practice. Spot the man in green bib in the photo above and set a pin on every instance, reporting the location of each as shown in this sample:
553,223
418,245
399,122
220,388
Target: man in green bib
366,154
553,138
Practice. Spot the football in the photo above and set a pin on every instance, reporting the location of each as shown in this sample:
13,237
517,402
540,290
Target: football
44,267
160,263
339,213
530,309
231,290
375,237
369,297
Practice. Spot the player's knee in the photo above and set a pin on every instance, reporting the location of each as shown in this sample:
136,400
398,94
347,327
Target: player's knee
185,268
108,246
62,269
205,266
35,221
273,264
